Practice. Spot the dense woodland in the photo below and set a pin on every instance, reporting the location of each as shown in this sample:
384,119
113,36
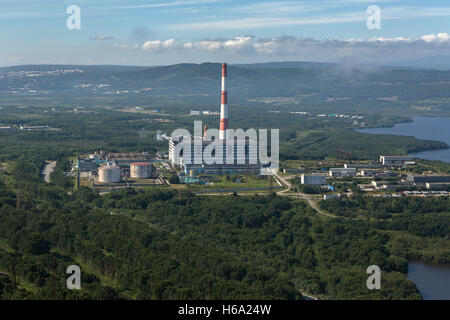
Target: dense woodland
300,137
162,245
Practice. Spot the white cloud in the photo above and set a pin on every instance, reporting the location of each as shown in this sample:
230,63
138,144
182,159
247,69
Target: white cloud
287,45
382,39
247,49
159,44
440,37
238,43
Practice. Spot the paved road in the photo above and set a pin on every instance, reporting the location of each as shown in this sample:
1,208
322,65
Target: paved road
308,296
48,169
308,198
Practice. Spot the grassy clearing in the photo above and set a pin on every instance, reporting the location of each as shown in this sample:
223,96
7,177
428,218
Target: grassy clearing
232,183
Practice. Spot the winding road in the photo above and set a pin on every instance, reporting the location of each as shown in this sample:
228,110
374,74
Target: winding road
310,199
48,169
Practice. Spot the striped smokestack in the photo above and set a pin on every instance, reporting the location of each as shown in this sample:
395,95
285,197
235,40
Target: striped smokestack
224,106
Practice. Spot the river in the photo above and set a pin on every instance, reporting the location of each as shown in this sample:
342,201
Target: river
432,280
427,128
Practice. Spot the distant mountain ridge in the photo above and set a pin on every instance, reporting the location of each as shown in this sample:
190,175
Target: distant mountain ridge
245,80
440,62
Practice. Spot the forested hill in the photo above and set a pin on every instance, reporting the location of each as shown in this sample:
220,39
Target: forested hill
289,78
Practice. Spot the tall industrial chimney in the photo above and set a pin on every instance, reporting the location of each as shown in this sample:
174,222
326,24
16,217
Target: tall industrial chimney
224,106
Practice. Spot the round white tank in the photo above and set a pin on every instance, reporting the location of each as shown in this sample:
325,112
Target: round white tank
109,174
140,170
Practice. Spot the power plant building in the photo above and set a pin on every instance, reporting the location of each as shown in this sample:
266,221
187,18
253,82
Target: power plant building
238,157
227,155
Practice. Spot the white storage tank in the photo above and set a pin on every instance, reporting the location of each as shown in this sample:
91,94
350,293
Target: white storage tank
109,174
141,170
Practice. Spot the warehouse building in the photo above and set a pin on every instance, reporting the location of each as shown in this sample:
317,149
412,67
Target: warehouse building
222,169
87,165
423,179
126,158
342,172
372,165
369,172
315,179
437,185
396,161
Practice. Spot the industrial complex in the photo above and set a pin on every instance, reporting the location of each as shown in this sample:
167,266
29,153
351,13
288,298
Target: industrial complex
228,156
102,168
213,157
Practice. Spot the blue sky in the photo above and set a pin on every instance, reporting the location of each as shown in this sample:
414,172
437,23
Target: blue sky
145,32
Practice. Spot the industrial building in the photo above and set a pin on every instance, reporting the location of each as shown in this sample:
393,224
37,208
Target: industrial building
342,172
87,165
372,165
423,179
396,161
315,179
331,196
232,161
387,185
437,185
30,128
141,170
221,169
109,174
369,172
230,153
228,157
126,158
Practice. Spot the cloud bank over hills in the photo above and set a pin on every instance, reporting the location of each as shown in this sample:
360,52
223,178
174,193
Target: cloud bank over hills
245,49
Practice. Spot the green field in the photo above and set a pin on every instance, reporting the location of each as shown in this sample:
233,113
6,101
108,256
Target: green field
250,181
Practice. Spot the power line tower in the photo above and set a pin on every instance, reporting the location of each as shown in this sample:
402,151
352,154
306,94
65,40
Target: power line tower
18,200
14,280
53,280
116,284
78,169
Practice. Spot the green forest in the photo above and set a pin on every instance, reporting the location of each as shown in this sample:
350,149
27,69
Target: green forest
160,244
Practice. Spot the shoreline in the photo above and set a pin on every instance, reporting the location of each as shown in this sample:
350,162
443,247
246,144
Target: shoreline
414,153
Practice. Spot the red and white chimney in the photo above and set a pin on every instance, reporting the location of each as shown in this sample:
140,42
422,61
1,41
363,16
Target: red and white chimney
224,106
